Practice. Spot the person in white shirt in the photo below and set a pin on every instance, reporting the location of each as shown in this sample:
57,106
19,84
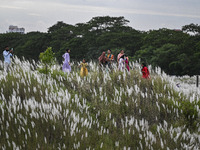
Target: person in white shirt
7,54
121,65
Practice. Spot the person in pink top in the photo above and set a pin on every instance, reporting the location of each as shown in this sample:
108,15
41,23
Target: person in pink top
123,63
120,55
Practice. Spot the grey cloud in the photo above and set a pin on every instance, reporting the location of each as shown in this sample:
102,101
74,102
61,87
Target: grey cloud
41,14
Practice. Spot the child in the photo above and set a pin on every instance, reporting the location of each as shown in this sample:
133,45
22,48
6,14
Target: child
145,71
84,71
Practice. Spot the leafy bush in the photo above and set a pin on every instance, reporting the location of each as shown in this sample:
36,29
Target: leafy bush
47,59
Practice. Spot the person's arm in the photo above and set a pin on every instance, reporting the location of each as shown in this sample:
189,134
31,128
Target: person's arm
4,54
143,70
148,72
106,59
118,58
68,58
11,52
112,58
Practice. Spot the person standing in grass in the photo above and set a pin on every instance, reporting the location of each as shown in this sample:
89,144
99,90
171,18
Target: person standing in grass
110,58
121,63
66,65
84,71
145,71
7,54
102,59
119,55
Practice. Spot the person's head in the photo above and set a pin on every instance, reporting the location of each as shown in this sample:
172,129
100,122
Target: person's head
143,65
103,53
109,51
122,51
7,48
68,50
83,60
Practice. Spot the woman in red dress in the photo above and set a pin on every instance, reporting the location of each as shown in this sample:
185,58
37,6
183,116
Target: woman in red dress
145,71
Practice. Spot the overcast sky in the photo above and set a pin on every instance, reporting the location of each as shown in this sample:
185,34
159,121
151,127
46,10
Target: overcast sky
39,15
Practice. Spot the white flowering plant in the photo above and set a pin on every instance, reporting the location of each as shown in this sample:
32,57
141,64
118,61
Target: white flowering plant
107,109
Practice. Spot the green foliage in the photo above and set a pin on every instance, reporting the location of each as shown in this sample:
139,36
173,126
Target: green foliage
190,112
165,55
47,57
192,28
173,51
44,70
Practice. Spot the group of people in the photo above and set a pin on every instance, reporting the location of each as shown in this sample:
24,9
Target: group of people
108,59
67,66
105,60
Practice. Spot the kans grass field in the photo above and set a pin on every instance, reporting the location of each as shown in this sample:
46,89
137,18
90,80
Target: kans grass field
106,110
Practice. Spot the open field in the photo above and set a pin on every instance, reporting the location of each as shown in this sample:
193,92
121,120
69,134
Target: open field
105,110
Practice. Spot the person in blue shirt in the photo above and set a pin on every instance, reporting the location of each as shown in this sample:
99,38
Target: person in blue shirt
7,54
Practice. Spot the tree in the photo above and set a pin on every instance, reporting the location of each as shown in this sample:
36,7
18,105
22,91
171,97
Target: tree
106,24
158,38
163,56
47,58
145,55
59,25
31,45
192,28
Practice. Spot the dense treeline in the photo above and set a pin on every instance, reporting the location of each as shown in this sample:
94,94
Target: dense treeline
176,52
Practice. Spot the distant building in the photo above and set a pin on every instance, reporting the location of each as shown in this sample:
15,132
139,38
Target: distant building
15,29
